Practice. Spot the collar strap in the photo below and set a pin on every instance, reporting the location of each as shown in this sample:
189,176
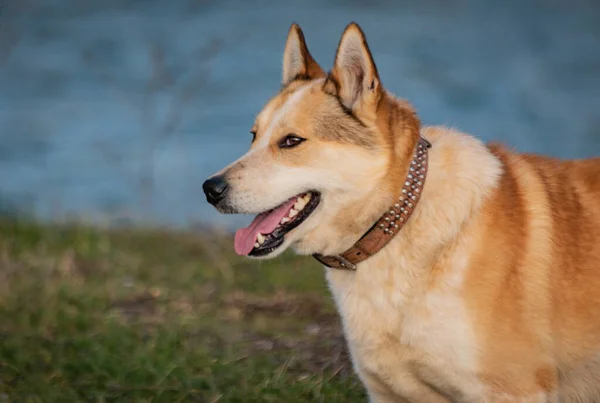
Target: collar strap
392,221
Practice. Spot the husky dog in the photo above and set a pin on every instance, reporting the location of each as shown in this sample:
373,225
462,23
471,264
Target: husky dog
463,272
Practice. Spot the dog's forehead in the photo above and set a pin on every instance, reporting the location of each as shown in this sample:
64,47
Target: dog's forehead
307,109
289,101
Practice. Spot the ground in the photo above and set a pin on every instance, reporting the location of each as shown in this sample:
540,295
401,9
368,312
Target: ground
143,315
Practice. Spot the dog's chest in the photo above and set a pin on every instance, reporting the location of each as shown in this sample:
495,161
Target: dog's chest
413,344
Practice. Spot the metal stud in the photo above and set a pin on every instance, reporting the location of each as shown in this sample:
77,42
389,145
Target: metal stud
413,183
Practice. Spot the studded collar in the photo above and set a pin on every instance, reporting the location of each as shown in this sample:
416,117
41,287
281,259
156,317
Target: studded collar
392,221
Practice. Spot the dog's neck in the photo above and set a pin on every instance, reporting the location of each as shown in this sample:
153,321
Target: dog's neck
462,172
392,221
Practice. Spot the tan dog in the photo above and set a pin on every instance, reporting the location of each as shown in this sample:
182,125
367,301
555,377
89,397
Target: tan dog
490,292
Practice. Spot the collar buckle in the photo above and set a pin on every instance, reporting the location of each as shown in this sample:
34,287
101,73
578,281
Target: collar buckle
340,260
345,263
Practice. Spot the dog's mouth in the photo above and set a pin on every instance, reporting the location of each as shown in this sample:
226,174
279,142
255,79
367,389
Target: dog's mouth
267,230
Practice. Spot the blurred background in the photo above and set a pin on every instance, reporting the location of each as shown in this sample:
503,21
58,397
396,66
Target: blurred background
118,109
113,113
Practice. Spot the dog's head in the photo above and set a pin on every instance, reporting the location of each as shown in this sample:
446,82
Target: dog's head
328,154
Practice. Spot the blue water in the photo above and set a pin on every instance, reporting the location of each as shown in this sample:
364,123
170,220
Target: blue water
118,109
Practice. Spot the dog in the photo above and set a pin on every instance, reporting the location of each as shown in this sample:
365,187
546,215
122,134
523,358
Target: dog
462,271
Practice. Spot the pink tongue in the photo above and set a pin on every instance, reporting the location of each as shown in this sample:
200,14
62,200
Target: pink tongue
265,223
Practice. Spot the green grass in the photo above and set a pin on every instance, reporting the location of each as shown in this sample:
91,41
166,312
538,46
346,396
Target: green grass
92,315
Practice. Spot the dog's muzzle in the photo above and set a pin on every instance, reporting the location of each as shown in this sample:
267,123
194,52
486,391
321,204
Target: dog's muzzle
215,189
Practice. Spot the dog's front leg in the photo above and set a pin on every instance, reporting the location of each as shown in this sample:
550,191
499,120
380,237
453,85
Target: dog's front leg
403,387
377,391
406,389
409,390
376,397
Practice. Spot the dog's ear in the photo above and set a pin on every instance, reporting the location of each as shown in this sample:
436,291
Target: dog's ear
297,60
354,74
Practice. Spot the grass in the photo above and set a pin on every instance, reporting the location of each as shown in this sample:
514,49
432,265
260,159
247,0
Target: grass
92,315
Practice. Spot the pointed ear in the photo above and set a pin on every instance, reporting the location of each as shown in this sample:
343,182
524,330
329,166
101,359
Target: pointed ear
297,61
355,74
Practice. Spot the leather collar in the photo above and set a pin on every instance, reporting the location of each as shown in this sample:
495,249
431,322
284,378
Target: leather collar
392,221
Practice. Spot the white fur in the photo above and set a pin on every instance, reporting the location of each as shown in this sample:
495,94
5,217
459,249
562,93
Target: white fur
387,298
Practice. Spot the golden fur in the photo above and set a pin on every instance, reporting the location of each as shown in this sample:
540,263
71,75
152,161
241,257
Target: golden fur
490,293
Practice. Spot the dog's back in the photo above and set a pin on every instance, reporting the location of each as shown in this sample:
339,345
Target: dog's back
535,277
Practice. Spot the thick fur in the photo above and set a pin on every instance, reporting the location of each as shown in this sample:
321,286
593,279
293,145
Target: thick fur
490,293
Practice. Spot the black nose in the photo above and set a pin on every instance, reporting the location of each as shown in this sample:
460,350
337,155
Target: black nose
215,189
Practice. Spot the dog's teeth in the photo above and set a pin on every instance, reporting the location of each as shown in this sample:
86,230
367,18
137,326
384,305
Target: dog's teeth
300,203
256,245
293,213
306,197
260,238
284,220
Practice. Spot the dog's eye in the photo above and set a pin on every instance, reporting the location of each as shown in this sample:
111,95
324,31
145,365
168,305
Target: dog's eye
289,141
253,133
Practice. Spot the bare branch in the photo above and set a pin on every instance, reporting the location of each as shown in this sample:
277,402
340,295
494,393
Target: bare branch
181,84
9,34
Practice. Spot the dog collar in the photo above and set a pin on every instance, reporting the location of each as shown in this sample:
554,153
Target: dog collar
392,221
